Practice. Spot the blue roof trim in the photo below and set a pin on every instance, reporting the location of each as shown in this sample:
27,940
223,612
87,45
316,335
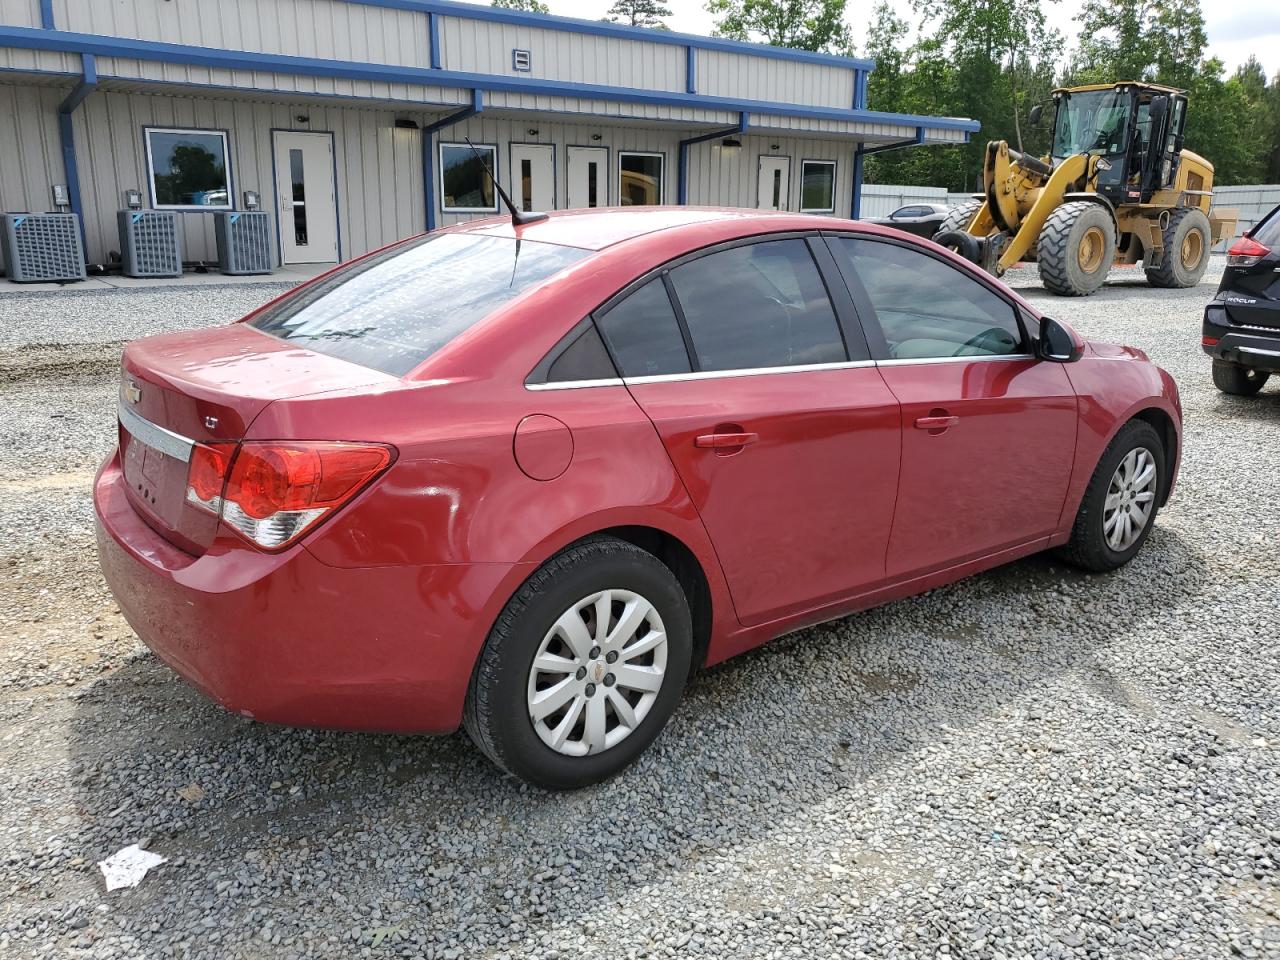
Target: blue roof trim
35,39
599,28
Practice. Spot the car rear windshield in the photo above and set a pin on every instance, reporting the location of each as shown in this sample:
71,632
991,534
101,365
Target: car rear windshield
1267,232
395,309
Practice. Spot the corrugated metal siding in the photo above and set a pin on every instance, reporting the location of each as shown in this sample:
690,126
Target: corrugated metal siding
31,155
379,167
307,28
723,74
475,46
129,68
729,180
1253,201
20,13
497,100
13,58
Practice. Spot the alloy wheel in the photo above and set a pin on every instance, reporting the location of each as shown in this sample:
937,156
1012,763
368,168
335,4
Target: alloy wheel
1131,499
597,673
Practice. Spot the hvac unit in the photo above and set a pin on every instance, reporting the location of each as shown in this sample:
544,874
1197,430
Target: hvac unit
149,243
42,246
244,242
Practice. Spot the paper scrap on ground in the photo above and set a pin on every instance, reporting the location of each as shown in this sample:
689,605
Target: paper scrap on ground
127,867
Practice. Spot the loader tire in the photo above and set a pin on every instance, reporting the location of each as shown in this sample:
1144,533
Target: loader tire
1076,248
958,217
1187,239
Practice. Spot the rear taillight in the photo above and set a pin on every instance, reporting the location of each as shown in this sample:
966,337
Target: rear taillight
1245,252
271,493
1209,341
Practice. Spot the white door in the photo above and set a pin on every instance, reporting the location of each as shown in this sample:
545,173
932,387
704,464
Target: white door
533,176
308,201
775,183
588,177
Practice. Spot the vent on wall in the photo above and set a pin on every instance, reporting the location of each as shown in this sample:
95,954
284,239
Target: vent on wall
244,242
149,243
521,60
42,246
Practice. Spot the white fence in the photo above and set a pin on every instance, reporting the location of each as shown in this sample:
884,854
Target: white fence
1253,201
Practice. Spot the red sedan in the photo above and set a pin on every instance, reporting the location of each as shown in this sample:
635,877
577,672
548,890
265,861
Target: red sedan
524,478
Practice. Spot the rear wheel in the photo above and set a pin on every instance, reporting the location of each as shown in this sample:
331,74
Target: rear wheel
583,668
958,217
1119,506
1236,380
1075,249
1186,250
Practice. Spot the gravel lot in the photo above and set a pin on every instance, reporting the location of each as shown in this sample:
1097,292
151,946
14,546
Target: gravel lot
1031,763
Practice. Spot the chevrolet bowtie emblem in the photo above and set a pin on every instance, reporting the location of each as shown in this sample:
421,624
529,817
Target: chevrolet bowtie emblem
132,391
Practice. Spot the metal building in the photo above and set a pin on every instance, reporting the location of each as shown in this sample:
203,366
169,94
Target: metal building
348,118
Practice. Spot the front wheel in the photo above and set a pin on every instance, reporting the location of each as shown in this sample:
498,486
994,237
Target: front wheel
1119,506
583,668
1237,380
1075,248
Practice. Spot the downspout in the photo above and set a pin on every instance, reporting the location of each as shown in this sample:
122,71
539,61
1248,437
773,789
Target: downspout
428,151
861,151
683,197
66,135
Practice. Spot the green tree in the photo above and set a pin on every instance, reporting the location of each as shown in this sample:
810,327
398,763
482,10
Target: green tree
802,24
639,13
528,6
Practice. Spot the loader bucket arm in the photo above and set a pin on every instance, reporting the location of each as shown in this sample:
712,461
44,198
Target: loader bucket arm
1065,175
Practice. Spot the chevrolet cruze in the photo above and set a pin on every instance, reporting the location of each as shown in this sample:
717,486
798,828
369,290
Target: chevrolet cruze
525,477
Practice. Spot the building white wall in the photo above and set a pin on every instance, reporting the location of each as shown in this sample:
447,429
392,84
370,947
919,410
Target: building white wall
723,74
332,29
30,151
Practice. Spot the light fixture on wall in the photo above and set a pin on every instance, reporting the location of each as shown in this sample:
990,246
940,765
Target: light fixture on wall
730,147
597,137
533,131
406,123
774,147
302,118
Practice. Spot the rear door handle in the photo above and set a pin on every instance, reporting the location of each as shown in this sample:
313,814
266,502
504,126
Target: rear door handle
718,441
936,423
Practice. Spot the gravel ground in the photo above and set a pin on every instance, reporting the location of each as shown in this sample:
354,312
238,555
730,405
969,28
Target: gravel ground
1030,763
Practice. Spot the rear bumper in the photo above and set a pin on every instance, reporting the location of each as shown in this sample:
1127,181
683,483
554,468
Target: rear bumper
1252,346
285,638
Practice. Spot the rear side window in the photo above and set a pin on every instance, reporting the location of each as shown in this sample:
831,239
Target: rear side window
643,332
761,305
927,308
395,309
1267,232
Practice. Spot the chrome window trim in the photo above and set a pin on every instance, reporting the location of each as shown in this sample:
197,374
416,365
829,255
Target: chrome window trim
911,360
155,436
748,372
575,384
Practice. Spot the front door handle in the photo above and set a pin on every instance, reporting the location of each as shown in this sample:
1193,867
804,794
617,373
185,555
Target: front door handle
719,441
937,423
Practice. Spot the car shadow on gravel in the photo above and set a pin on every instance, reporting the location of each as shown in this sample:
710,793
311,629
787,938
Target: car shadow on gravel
1262,407
426,830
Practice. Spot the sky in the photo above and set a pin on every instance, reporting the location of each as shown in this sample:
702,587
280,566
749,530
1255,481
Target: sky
1236,28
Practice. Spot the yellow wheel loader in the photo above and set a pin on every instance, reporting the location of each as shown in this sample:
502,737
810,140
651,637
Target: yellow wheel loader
1117,187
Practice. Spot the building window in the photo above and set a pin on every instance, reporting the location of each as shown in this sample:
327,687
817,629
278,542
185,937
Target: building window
465,185
818,186
640,179
188,169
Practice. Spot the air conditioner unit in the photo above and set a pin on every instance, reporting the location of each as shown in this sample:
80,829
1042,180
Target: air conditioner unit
244,242
42,247
150,243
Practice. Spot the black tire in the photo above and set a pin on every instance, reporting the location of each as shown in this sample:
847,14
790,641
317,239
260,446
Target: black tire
1236,380
1174,271
962,243
1088,548
958,217
1058,248
497,716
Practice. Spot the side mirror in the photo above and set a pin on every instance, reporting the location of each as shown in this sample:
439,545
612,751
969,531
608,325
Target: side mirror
1057,343
1037,112
1159,107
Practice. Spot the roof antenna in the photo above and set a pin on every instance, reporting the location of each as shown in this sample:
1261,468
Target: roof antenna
518,217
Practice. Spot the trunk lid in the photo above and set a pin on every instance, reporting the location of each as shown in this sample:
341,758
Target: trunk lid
206,386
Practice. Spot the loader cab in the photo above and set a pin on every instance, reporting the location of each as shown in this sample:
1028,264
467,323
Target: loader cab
1134,129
